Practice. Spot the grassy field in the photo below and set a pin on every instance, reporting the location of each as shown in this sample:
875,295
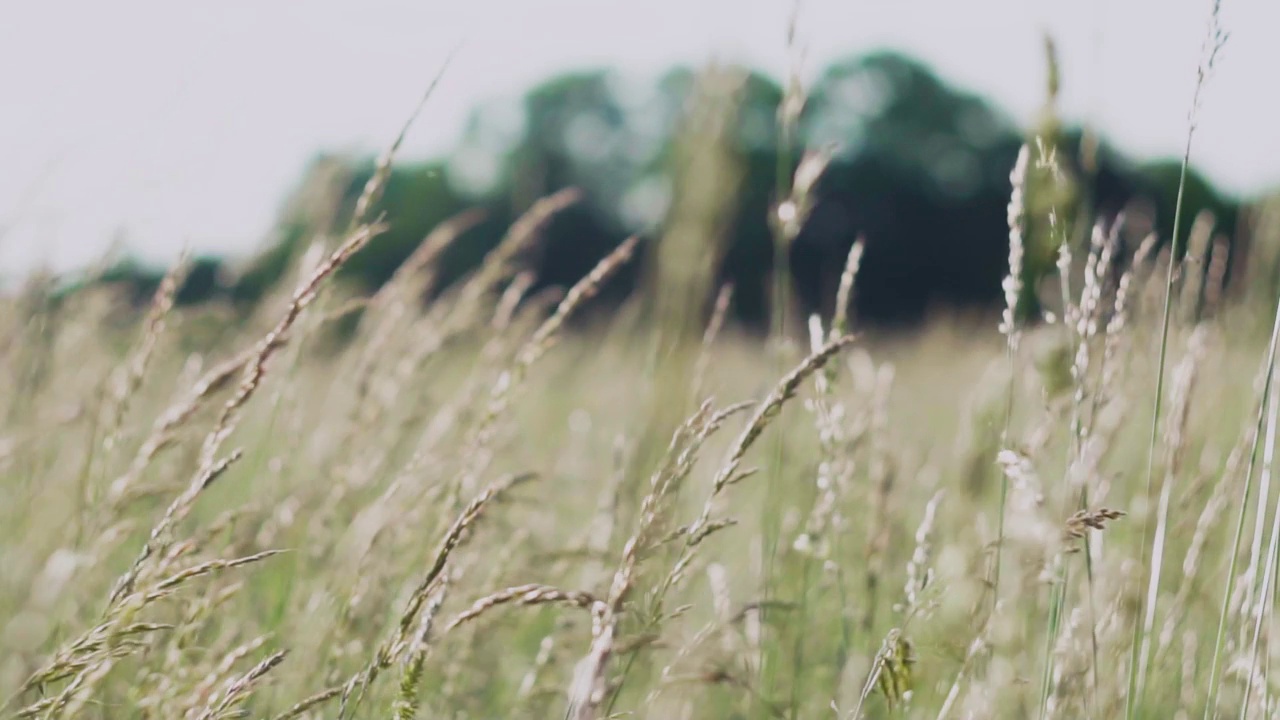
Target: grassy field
470,511
504,504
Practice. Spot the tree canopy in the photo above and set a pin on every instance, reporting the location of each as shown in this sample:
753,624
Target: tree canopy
919,170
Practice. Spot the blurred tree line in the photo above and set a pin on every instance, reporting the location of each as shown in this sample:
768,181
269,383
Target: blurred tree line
919,170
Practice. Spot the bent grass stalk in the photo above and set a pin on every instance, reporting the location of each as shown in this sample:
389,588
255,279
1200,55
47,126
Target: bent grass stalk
1137,660
1229,587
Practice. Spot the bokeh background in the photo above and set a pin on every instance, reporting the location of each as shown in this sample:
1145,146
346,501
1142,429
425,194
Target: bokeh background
561,413
240,130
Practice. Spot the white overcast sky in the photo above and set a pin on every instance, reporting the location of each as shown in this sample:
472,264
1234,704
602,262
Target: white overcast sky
186,121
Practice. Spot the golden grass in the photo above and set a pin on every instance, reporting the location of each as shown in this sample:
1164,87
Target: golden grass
469,510
338,531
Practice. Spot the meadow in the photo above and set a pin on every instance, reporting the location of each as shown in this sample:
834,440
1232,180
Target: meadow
468,510
507,503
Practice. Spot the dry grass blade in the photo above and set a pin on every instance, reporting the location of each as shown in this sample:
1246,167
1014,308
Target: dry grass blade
162,431
515,293
210,469
169,584
440,239
254,370
581,291
531,351
530,594
503,261
238,690
719,314
765,412
129,378
178,509
71,659
1078,525
377,182
430,586
844,293
450,542
589,688
405,706
306,704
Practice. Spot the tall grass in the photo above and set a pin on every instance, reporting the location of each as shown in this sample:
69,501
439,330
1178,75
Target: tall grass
338,575
478,509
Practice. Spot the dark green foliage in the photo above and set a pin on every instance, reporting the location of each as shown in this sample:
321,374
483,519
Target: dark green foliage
415,199
270,266
921,171
138,282
206,280
1158,181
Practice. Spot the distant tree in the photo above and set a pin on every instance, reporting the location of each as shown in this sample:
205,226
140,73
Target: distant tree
415,198
921,171
595,131
1158,181
206,280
